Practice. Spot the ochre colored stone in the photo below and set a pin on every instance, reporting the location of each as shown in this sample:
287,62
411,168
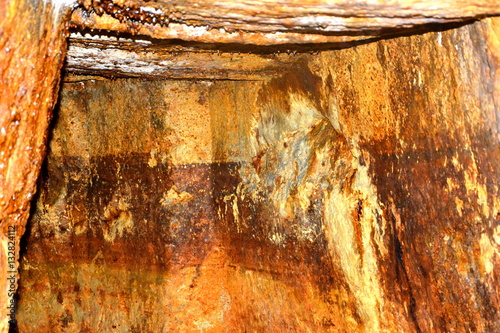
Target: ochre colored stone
357,191
32,48
273,22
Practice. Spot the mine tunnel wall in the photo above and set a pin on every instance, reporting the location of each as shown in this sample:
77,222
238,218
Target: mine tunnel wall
355,192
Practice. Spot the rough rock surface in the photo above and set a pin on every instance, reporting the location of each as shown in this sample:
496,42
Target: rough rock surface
356,192
272,22
32,48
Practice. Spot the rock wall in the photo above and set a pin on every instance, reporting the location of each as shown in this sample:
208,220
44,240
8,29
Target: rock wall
355,192
32,49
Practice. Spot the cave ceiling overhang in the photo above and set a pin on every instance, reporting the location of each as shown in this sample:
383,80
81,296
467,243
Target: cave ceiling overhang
240,40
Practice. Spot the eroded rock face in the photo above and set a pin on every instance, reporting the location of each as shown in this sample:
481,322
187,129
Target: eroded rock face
274,22
32,48
357,192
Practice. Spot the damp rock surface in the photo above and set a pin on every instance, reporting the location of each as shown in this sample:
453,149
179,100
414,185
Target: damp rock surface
356,191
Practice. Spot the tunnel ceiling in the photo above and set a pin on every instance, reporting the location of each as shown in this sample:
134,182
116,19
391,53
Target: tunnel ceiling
240,40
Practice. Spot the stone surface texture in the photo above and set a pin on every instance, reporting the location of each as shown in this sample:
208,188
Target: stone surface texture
119,56
32,48
272,22
355,191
